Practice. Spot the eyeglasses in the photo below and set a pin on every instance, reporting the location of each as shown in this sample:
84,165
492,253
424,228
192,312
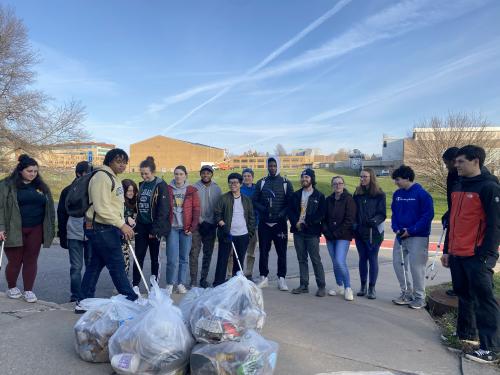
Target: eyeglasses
233,182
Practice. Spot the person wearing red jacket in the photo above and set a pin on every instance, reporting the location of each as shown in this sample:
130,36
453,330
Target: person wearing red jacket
471,252
184,218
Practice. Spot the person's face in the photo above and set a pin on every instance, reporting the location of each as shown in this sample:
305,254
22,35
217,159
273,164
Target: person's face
29,174
129,194
338,185
118,165
234,185
305,181
450,164
466,167
179,176
247,178
146,174
364,178
206,176
272,167
402,183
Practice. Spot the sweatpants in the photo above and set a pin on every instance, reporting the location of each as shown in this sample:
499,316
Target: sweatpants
25,257
142,242
277,234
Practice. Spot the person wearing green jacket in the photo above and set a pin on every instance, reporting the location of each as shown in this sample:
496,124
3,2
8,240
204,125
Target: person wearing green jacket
27,220
235,219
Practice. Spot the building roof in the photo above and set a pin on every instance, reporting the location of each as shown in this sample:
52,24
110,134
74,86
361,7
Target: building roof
177,140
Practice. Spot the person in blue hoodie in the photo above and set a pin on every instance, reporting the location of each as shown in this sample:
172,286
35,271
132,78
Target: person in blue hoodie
412,214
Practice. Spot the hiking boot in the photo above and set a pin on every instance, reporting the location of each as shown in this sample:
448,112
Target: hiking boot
403,299
79,309
263,282
483,356
14,293
29,296
282,284
321,292
181,289
301,289
371,292
417,304
362,291
348,294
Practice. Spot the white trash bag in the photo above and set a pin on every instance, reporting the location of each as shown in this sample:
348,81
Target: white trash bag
158,343
225,312
190,298
252,355
99,323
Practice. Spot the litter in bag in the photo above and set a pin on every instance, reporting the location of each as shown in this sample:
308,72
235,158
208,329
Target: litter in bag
225,312
252,355
99,323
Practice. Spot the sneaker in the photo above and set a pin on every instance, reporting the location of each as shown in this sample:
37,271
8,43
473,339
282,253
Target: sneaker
169,289
14,293
282,284
181,289
136,290
403,299
29,296
321,292
301,289
483,356
417,304
332,292
348,295
263,282
79,309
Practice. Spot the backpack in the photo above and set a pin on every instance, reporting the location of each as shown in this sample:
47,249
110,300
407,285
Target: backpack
78,201
285,183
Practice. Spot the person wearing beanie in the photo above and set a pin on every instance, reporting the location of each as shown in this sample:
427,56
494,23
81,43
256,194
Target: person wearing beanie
204,237
306,210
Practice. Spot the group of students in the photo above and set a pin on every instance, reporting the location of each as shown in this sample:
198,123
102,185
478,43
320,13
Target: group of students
191,217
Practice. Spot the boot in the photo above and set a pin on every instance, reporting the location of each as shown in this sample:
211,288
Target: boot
362,291
371,292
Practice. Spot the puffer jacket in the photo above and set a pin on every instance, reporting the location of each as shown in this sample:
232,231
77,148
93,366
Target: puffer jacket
190,208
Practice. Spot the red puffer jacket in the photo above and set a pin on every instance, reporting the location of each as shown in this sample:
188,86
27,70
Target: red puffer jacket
190,208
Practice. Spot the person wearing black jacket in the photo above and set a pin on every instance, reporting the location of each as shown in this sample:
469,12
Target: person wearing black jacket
306,210
153,211
369,228
272,194
471,252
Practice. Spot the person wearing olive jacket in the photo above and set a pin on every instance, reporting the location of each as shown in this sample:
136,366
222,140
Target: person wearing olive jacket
235,218
369,229
27,220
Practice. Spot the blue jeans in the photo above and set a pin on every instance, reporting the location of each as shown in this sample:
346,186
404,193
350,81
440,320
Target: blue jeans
178,247
368,254
79,253
338,252
106,251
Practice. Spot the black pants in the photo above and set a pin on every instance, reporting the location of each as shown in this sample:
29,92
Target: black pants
477,307
142,242
225,248
307,245
267,235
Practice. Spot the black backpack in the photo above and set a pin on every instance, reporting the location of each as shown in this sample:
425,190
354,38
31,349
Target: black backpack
77,201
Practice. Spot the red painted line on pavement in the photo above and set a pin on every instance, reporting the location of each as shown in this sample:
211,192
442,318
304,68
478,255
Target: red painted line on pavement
386,244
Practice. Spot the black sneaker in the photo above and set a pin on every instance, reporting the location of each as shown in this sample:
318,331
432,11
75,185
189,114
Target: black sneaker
301,289
321,292
483,356
79,309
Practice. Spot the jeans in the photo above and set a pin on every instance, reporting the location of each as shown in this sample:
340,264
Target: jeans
309,245
208,242
142,242
415,252
338,252
368,254
178,246
267,235
226,248
105,241
79,254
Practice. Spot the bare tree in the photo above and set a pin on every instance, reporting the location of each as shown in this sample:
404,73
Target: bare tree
423,152
29,122
280,150
342,154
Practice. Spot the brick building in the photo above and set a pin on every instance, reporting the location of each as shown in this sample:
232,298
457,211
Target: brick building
67,155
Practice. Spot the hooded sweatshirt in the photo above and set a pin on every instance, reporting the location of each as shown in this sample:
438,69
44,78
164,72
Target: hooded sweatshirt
209,195
412,209
177,209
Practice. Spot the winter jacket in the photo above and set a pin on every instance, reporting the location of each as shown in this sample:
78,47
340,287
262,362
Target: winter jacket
224,212
160,209
190,208
315,212
209,196
475,218
271,197
370,216
10,216
412,209
68,227
340,216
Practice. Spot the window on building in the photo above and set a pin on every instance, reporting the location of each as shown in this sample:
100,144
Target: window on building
385,143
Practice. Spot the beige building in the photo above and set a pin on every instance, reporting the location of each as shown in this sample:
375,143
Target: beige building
67,155
259,162
169,153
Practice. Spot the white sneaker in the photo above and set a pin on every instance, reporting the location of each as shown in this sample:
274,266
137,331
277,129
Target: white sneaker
136,290
282,284
263,282
14,293
181,289
169,288
332,292
29,296
340,290
348,295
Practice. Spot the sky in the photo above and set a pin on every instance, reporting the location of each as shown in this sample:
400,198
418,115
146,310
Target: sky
249,74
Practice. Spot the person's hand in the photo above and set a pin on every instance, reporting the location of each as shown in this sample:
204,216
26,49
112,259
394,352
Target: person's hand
3,236
131,222
445,260
128,232
404,233
221,223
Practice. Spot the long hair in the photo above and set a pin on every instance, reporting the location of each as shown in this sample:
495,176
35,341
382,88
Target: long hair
373,188
130,203
25,161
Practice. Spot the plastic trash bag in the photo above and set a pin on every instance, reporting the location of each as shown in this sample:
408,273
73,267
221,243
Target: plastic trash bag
225,312
157,343
189,300
252,355
99,323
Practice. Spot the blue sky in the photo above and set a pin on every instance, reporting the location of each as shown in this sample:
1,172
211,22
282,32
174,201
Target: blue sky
250,74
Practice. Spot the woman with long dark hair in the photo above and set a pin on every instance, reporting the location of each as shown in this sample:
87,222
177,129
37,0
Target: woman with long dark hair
27,217
130,214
